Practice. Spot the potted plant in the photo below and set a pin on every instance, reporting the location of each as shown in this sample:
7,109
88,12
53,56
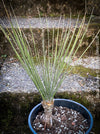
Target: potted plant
64,43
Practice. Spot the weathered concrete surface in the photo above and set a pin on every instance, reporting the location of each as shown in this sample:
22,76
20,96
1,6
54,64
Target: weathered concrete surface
89,62
43,22
14,78
40,23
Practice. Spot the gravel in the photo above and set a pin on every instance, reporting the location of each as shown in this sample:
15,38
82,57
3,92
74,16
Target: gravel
65,121
14,78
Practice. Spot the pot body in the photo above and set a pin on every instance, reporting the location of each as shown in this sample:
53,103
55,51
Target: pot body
64,103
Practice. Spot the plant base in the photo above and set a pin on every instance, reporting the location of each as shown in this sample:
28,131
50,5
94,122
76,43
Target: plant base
63,103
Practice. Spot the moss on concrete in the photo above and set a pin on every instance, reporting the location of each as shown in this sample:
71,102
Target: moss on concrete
29,8
83,71
14,111
78,97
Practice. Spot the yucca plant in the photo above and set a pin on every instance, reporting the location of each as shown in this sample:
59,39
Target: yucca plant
64,43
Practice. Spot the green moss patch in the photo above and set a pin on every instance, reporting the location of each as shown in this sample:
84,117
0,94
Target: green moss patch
84,72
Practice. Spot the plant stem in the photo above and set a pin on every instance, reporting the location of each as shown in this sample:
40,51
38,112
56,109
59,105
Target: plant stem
48,107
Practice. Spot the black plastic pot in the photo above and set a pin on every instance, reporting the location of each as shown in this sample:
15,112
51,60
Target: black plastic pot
64,103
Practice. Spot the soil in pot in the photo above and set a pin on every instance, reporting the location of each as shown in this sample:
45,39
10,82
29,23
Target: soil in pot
66,121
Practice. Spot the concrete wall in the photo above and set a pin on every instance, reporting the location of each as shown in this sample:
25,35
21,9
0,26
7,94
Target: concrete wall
50,7
90,4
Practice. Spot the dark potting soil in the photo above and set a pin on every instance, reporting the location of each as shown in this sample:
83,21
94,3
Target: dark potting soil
66,121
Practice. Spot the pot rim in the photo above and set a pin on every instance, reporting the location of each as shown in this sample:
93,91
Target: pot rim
68,100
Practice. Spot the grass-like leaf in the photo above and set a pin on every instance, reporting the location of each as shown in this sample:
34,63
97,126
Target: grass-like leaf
64,43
